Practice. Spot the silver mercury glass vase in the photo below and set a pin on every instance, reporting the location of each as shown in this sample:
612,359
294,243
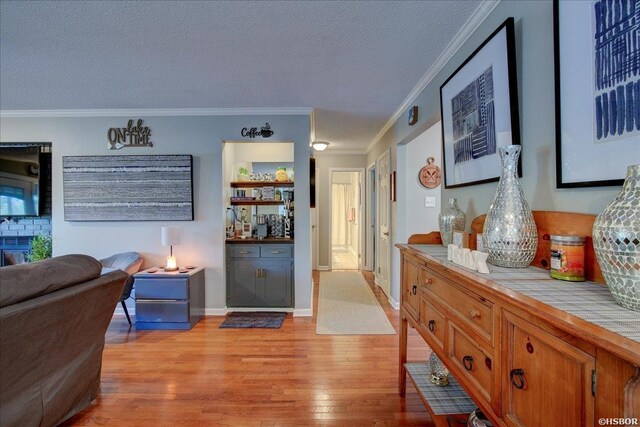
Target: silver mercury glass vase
616,241
439,372
450,219
510,235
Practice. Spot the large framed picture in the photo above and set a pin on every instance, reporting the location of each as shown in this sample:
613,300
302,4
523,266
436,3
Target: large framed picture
128,188
479,107
597,71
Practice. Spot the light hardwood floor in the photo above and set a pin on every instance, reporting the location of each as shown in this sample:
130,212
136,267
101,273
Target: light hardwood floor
254,377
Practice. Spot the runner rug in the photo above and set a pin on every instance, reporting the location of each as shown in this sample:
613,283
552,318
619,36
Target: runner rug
347,306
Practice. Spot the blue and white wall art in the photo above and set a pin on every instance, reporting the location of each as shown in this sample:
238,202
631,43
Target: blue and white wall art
597,60
474,125
616,71
479,107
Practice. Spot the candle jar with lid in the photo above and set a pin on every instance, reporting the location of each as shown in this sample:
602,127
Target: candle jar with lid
567,258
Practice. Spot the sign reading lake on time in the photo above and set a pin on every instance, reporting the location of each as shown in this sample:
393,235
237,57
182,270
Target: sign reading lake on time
130,136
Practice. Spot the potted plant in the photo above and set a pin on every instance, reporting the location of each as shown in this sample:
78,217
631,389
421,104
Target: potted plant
41,246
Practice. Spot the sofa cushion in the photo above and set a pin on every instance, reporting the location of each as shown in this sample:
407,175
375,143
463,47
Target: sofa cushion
24,281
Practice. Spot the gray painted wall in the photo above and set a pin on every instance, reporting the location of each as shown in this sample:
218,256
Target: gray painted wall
202,239
323,178
535,66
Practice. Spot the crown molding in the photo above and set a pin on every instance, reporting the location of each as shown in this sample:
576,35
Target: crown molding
160,112
469,27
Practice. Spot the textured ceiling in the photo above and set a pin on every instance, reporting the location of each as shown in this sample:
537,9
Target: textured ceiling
355,62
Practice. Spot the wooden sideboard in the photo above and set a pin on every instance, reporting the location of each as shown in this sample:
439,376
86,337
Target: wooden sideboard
529,350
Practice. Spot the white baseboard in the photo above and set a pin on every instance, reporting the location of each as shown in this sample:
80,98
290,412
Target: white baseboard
324,268
303,312
245,309
215,311
395,304
224,311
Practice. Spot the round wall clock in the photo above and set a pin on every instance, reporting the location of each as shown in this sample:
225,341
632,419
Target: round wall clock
429,176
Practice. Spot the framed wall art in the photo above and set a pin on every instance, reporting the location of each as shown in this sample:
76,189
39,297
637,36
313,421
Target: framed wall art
479,107
128,188
597,73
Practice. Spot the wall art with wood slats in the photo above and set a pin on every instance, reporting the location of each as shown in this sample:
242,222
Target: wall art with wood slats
128,188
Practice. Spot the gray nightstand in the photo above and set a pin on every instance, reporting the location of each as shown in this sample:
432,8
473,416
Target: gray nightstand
169,300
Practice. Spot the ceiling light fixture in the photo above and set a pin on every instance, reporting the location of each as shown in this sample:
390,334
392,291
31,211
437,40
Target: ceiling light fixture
320,145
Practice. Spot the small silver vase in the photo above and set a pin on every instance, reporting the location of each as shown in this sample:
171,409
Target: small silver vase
439,372
616,242
450,219
510,235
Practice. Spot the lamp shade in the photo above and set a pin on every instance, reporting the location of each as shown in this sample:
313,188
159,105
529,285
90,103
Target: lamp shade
170,236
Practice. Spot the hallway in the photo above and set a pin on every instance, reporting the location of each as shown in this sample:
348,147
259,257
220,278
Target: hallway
343,260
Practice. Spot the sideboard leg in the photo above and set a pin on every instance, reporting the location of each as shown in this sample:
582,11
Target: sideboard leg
402,379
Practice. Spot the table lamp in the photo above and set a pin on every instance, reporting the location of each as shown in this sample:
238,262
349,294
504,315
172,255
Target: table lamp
170,237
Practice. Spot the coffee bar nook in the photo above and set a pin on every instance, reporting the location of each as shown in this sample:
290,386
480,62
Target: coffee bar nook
259,243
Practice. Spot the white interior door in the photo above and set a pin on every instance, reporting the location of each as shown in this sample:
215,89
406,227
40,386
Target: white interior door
384,222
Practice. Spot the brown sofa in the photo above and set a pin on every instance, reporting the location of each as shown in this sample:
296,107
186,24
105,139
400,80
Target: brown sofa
53,318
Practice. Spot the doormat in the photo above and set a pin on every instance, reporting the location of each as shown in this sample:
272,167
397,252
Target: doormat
254,319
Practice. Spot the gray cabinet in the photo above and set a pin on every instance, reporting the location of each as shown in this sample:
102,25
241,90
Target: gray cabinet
169,300
260,275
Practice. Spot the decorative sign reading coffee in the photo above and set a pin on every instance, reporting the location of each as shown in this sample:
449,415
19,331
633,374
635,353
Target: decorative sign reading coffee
264,131
130,136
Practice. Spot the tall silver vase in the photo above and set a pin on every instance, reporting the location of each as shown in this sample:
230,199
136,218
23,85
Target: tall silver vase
510,235
616,241
450,219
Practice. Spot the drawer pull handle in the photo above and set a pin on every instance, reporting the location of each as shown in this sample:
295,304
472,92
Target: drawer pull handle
517,378
432,326
243,252
467,361
414,290
275,252
474,314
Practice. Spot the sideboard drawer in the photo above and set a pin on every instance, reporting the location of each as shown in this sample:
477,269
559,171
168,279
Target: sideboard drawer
162,288
162,311
276,251
474,311
432,321
244,251
474,363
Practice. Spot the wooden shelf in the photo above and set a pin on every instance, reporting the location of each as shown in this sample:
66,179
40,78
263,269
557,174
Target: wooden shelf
443,403
257,203
257,184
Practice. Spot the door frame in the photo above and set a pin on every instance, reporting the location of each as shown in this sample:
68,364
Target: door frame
369,262
361,215
387,292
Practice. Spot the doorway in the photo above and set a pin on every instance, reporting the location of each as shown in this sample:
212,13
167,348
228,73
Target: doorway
346,219
371,225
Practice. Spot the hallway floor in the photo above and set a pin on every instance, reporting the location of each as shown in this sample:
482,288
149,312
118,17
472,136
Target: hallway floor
343,260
